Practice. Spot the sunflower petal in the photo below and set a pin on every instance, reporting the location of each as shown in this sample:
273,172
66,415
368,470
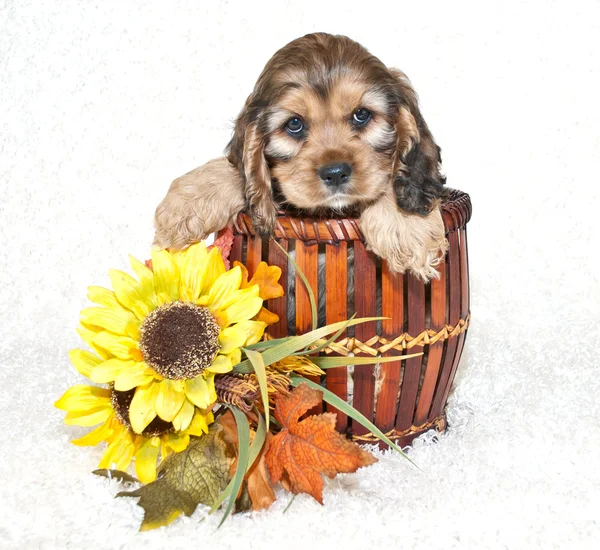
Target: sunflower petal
197,392
119,453
88,333
115,320
177,441
168,401
231,338
83,398
89,417
224,287
166,276
183,418
126,291
235,356
119,346
248,292
212,392
220,365
84,361
139,374
193,268
145,460
102,296
199,424
213,269
97,435
109,370
253,331
146,282
142,409
240,311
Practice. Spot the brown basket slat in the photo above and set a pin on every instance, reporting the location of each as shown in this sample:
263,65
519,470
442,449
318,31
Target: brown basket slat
307,258
434,359
365,304
464,274
336,285
392,306
412,367
453,278
253,254
279,306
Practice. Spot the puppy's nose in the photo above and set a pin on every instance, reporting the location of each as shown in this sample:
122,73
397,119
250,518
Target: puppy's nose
334,175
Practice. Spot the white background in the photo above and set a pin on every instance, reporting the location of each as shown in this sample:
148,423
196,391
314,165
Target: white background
103,104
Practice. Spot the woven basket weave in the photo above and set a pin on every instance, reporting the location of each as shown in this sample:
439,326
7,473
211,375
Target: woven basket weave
403,398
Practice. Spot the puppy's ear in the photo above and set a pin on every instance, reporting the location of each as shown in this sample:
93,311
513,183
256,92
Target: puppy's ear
246,151
418,182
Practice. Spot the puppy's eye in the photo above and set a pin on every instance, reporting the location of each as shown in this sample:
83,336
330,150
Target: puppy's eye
361,117
294,126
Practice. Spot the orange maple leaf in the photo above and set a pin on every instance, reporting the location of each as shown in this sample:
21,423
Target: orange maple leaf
302,451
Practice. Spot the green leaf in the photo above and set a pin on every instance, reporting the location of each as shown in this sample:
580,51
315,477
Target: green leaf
342,406
296,343
194,476
309,290
261,375
123,477
162,503
333,362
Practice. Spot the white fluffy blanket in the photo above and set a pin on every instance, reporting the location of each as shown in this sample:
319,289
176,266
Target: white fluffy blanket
102,105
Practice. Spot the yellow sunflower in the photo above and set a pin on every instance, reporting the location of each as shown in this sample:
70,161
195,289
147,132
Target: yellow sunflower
89,406
167,333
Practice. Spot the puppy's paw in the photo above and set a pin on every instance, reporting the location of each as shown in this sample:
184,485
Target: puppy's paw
407,242
264,216
197,204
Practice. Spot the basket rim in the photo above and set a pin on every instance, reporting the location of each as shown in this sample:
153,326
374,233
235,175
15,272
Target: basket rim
456,213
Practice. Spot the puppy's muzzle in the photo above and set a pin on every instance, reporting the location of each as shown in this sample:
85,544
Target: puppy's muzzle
334,175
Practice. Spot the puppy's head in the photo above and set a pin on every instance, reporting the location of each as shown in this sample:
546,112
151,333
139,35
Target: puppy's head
331,126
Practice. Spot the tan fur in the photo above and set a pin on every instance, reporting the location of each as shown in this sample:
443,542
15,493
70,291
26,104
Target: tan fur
407,242
199,203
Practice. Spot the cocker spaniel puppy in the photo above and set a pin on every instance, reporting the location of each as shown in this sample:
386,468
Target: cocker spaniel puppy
328,129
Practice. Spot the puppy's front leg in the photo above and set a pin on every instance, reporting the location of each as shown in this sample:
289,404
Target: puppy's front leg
407,242
199,203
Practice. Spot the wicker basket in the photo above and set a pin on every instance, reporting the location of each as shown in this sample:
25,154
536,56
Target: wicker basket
404,398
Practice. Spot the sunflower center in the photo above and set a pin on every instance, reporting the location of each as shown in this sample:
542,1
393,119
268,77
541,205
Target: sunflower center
179,340
121,400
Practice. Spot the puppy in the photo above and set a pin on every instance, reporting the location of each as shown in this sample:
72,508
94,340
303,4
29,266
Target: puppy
328,129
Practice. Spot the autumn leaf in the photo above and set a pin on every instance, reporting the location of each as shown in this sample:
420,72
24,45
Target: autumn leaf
224,241
266,277
303,450
194,476
257,481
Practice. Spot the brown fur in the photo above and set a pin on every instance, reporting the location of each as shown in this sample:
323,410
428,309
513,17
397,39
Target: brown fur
323,80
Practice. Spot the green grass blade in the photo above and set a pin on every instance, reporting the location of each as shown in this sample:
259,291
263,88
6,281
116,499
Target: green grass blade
243,429
333,362
309,290
296,343
326,342
289,503
342,406
255,448
261,375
